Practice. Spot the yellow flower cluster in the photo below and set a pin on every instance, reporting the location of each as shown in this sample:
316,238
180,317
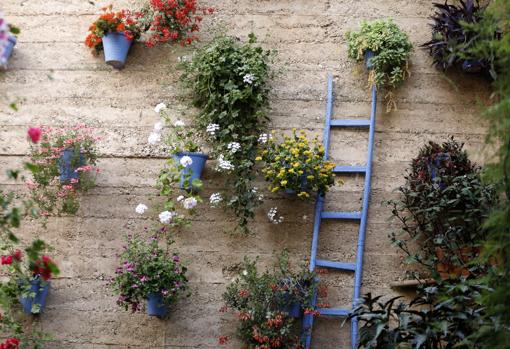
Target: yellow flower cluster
296,164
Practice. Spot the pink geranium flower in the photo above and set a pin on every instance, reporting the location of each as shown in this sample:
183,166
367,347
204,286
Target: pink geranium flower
34,133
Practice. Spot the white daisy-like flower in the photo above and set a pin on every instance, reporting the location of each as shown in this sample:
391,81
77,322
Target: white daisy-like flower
182,58
272,215
179,123
224,164
233,147
154,138
248,78
141,208
215,199
180,198
189,203
160,107
166,217
158,126
212,128
245,272
186,161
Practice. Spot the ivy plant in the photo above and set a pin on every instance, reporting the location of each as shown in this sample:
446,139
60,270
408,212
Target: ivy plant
227,81
391,48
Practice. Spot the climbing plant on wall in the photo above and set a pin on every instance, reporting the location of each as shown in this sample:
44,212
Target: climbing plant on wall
228,82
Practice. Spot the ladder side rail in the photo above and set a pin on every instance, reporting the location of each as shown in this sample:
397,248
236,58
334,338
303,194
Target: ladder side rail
308,318
358,275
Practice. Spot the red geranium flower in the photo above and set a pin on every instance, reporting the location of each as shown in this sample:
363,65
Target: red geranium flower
10,343
35,134
6,260
18,255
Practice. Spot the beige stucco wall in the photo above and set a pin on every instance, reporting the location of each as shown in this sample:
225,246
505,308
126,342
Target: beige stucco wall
56,81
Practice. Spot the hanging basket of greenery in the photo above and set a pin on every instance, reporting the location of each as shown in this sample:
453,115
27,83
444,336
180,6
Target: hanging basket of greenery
388,48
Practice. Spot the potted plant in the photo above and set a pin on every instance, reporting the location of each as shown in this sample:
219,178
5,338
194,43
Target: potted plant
386,49
7,40
172,22
296,165
62,164
228,84
457,35
30,275
151,274
113,32
267,304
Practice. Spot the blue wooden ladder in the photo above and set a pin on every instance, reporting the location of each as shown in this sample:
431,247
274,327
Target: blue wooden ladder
320,214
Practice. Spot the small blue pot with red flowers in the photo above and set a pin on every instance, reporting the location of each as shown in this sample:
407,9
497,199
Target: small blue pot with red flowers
9,46
116,47
68,163
292,308
33,296
156,306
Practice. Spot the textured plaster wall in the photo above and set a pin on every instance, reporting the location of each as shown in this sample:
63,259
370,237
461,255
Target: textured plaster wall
56,81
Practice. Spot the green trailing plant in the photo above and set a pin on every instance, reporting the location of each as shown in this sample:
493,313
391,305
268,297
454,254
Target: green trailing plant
391,49
441,210
227,81
261,302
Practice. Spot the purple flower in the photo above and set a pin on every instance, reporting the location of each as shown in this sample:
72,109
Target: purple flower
176,259
164,292
134,286
144,278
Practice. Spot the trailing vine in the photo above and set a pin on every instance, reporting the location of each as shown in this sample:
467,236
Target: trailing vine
228,82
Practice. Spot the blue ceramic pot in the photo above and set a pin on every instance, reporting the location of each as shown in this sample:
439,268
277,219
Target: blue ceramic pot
11,41
369,54
196,168
293,309
304,185
116,47
67,165
39,289
472,66
156,306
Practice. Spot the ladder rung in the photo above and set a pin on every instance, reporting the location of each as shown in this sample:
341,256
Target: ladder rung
334,311
335,265
350,123
350,169
340,215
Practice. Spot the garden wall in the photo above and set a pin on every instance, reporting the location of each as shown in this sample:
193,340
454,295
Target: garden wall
55,80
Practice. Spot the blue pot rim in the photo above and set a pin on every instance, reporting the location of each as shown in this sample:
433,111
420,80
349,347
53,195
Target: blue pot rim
116,33
188,153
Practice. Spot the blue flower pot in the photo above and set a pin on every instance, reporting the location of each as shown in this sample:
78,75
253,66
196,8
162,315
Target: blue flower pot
196,168
116,47
304,185
156,306
472,66
67,165
293,309
11,41
40,289
369,54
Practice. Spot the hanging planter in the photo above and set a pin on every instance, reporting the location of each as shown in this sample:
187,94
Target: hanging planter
156,306
68,163
116,47
369,54
9,46
304,187
190,171
113,32
293,308
35,299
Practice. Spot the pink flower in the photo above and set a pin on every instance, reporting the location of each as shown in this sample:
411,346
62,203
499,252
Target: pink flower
34,133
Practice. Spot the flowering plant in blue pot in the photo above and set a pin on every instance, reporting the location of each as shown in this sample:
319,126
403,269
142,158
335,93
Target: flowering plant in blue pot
63,163
149,274
113,33
29,275
7,40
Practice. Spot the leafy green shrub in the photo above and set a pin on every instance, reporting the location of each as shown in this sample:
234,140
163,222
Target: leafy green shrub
391,48
444,215
228,83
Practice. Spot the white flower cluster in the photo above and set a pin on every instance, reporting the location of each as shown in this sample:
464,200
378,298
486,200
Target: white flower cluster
212,128
224,164
215,199
272,215
179,123
233,147
141,208
155,135
186,161
264,137
249,78
160,107
189,203
154,138
166,217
